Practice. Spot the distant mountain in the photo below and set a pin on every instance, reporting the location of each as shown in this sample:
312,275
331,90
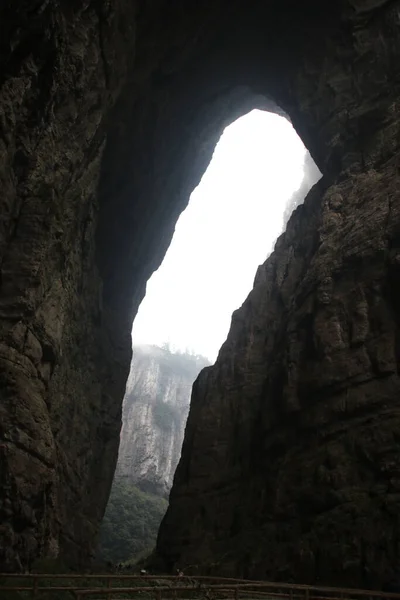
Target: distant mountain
155,410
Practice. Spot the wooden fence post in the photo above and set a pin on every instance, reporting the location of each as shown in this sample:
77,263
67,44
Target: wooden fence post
237,593
307,593
158,594
108,587
35,586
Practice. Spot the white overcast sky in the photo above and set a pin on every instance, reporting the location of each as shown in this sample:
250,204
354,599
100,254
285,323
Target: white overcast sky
229,227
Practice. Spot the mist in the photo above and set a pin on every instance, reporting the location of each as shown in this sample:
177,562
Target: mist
311,174
259,173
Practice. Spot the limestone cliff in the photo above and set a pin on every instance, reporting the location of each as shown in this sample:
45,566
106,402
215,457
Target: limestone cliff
109,114
154,414
290,467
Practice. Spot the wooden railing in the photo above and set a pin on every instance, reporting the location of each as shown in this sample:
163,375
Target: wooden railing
172,588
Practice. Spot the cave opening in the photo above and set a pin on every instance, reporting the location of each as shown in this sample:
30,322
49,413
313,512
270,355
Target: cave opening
259,173
110,112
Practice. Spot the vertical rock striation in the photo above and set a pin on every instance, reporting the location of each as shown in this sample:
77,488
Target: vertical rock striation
59,421
290,466
109,114
154,414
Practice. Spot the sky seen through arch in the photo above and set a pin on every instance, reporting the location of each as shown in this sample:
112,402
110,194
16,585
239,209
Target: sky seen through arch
229,228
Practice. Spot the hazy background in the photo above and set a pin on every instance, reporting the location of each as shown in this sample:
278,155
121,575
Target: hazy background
229,227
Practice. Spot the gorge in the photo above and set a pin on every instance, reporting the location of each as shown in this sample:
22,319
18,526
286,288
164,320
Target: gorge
154,413
109,113
155,409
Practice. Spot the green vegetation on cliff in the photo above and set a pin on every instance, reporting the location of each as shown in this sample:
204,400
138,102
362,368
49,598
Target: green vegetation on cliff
155,408
173,364
131,522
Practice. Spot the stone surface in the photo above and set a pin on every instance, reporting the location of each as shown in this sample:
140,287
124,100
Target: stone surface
59,419
290,464
109,113
154,413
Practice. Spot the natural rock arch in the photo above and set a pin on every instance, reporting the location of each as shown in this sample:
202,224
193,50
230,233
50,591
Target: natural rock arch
110,110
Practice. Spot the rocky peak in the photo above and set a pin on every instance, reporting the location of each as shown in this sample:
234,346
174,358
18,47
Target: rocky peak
154,414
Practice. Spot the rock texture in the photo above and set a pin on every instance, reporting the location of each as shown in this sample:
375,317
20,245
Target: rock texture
290,467
290,464
109,113
154,414
59,418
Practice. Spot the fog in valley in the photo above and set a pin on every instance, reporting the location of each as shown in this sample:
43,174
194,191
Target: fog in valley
259,172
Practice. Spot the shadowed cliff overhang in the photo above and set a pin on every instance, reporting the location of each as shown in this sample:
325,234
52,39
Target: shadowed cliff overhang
110,111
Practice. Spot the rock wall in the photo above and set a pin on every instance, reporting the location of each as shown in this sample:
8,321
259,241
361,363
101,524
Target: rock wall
290,467
59,419
154,413
290,464
109,114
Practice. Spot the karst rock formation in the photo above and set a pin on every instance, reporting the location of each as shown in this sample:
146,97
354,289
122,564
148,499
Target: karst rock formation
154,413
109,114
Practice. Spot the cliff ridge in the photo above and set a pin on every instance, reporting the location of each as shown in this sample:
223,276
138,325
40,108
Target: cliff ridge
154,414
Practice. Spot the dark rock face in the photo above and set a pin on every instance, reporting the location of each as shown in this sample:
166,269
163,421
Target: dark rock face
290,464
59,418
109,113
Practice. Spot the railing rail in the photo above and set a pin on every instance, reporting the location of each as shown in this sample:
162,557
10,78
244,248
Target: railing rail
168,586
